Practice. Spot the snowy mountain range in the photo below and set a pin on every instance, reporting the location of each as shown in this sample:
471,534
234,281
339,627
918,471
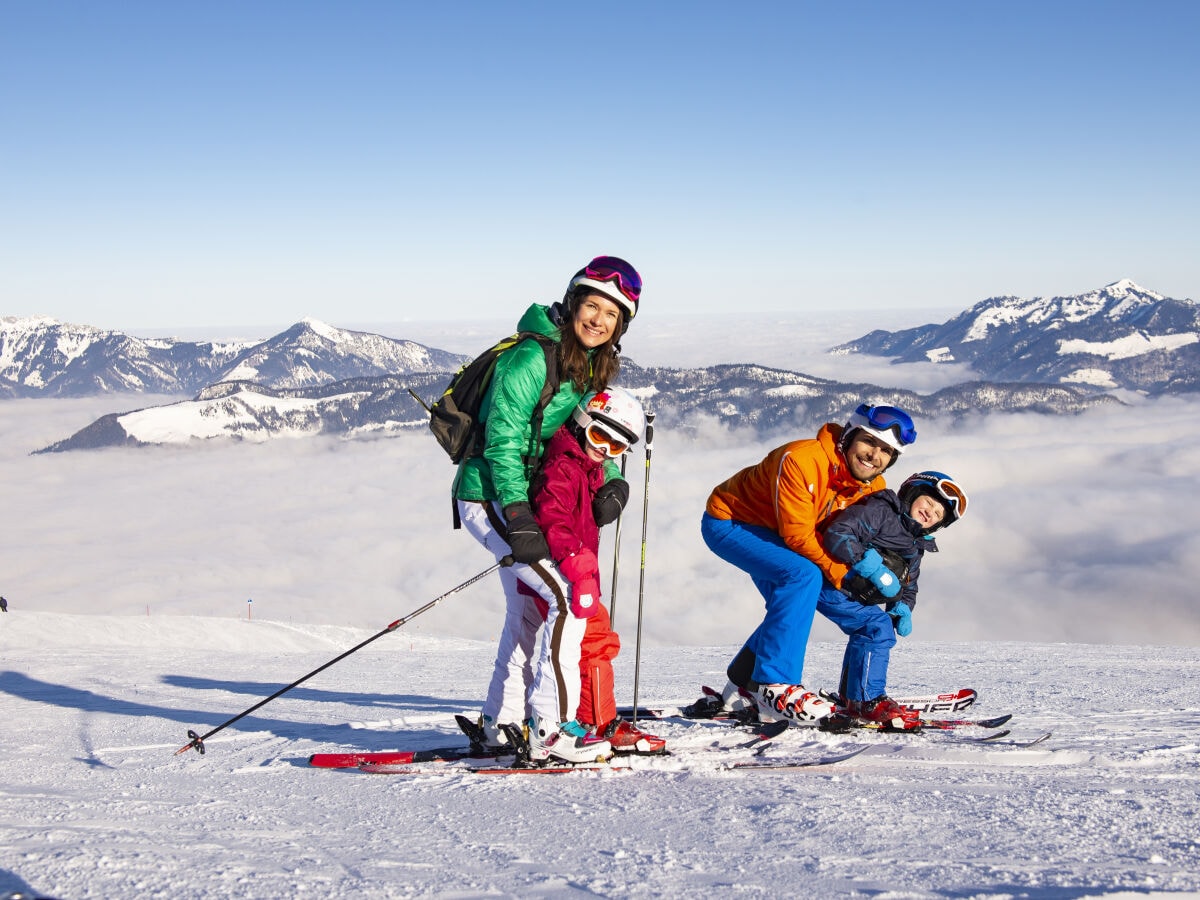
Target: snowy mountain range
757,397
42,357
1051,356
1121,336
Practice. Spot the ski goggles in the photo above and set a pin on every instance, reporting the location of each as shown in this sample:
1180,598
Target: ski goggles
890,418
613,268
605,442
952,494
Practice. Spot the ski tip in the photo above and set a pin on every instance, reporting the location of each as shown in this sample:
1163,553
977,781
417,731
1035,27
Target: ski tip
995,722
767,730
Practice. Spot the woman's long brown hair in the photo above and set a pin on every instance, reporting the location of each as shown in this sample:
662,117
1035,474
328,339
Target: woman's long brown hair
595,374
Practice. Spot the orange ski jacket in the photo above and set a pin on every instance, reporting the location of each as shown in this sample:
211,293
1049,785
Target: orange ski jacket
793,491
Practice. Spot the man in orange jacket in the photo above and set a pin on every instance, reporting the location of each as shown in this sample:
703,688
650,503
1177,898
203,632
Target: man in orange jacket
767,520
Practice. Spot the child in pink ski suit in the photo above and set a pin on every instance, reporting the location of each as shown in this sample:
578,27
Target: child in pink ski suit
562,494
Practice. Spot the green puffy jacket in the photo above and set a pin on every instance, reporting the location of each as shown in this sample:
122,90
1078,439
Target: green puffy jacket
506,411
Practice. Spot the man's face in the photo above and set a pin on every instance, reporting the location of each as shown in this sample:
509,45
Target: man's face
867,456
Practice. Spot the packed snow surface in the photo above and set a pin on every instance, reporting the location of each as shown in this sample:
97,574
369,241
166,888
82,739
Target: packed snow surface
96,804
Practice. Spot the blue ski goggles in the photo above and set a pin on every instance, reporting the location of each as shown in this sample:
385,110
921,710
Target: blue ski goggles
890,418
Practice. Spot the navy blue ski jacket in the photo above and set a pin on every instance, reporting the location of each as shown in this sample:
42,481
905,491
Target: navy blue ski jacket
877,522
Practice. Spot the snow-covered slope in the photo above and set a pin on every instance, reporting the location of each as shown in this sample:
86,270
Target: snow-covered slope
97,804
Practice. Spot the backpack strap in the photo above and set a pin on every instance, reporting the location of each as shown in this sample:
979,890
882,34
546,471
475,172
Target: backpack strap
549,389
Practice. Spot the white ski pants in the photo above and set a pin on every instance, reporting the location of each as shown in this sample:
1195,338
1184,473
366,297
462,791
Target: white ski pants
546,682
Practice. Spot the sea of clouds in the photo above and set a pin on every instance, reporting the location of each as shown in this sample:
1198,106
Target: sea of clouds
1081,528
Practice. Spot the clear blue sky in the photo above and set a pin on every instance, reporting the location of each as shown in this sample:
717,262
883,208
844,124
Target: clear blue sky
172,164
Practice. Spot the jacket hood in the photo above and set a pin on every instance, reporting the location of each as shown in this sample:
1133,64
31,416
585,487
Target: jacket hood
537,319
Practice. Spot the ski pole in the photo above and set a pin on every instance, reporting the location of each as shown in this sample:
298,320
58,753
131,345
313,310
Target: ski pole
612,592
637,653
197,740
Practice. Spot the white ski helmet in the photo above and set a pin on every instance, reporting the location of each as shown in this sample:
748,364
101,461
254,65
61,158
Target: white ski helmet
890,424
613,278
615,408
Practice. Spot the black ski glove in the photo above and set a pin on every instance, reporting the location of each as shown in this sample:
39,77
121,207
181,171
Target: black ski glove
610,499
524,536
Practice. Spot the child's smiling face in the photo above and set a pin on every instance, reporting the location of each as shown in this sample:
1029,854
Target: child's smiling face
927,511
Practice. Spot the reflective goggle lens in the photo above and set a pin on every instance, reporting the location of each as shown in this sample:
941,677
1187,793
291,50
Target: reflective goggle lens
885,417
605,442
613,268
954,495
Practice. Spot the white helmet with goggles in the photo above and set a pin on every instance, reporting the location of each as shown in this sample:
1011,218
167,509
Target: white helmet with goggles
618,416
890,424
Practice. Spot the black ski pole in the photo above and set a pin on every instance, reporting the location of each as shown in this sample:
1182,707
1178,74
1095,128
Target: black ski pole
612,592
637,653
197,740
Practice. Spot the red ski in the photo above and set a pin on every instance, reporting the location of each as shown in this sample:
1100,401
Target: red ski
358,758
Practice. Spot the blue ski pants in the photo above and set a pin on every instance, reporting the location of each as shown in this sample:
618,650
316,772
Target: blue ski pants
872,636
790,585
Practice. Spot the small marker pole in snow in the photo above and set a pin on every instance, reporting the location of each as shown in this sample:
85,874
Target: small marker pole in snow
197,740
637,653
249,600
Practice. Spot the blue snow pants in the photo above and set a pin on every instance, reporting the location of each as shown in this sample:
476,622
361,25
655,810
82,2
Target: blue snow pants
789,583
872,636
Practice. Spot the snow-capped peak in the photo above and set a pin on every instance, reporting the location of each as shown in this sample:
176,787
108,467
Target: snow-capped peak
1126,286
323,329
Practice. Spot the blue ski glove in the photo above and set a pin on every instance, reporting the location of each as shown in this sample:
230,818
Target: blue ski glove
902,619
871,567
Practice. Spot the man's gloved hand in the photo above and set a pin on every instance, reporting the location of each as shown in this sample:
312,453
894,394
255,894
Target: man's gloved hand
901,618
609,501
583,571
523,534
871,567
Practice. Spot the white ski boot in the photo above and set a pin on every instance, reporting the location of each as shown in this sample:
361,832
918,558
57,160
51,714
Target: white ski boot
569,742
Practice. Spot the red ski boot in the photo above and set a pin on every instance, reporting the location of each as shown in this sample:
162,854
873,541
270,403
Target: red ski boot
886,711
625,738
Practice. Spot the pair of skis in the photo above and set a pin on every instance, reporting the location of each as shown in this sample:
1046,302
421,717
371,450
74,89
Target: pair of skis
483,761
478,758
709,707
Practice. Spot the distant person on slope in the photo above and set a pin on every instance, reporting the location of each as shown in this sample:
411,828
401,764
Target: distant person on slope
3,605
492,497
768,520
605,425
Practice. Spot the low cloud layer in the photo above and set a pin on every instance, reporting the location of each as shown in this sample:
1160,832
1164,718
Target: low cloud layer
1081,529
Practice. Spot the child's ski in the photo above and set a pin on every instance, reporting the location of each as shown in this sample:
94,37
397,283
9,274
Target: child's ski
709,706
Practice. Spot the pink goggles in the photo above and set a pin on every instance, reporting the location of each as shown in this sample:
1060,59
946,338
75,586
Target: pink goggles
613,268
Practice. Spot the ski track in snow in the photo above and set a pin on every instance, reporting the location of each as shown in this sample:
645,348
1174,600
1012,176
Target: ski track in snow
97,805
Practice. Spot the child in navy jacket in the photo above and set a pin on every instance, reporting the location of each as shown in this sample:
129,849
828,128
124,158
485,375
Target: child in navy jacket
882,538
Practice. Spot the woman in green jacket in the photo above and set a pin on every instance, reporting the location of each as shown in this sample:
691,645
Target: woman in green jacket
491,492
